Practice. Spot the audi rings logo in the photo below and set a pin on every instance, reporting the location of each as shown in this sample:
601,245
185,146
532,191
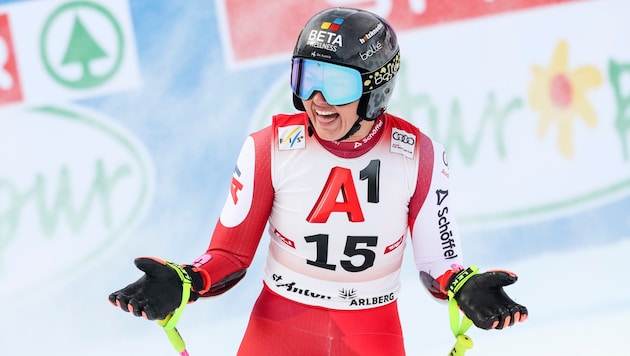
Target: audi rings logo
404,137
402,142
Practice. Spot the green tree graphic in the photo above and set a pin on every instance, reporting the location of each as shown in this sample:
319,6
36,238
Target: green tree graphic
83,49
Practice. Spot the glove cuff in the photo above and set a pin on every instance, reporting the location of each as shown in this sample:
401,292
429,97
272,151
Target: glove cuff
452,280
199,278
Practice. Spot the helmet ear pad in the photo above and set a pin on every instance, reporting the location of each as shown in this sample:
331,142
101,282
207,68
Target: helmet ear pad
297,103
374,103
363,107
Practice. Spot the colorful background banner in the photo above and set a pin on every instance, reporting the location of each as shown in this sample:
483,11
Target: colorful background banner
121,120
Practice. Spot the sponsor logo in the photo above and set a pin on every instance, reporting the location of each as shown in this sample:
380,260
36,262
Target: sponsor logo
372,49
372,301
403,142
292,288
202,260
332,26
371,34
326,38
284,239
10,87
236,186
446,234
75,67
395,245
291,137
348,293
375,129
383,75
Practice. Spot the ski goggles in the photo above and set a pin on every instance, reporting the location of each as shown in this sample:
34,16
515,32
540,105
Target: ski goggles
340,85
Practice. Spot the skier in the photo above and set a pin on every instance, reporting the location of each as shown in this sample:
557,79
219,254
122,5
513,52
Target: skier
342,186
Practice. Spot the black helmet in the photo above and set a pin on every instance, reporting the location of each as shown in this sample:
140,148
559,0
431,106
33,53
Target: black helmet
355,39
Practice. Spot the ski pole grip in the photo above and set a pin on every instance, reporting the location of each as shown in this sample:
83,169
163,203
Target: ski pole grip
462,344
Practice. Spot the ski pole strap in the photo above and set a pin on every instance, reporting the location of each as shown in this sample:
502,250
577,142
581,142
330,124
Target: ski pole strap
186,285
462,277
168,323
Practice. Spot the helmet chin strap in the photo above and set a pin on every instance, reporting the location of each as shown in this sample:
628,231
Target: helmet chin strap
355,127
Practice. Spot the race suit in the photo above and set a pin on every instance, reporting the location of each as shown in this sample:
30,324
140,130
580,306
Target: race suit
338,215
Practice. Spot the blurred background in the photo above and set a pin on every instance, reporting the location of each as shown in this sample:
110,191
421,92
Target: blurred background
121,121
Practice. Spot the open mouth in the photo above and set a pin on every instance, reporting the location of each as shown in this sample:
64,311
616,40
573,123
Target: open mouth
326,115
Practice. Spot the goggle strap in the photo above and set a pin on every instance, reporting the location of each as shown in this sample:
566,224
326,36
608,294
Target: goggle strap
381,76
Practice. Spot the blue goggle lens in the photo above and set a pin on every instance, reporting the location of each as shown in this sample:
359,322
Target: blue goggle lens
340,85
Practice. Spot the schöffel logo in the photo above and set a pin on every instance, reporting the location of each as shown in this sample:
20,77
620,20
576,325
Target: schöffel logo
332,26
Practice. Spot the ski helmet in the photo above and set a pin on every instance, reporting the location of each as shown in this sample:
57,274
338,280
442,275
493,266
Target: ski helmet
351,40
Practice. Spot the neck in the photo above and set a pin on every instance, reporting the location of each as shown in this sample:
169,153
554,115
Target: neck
359,130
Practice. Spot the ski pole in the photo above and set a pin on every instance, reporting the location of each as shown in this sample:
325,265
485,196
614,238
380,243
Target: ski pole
463,342
174,336
169,323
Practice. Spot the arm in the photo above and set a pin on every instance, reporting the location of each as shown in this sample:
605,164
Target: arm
438,255
158,292
244,216
434,233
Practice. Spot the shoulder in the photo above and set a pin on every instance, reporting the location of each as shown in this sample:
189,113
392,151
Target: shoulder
281,125
401,123
289,119
403,130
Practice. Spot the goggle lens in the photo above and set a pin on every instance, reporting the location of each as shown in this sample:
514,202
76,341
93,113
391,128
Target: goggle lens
340,85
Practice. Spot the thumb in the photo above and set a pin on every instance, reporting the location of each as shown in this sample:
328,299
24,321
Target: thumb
499,278
149,265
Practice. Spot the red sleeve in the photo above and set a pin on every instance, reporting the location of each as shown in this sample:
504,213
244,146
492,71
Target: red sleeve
232,248
425,172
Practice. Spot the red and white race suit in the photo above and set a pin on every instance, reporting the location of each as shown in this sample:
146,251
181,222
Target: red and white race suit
339,215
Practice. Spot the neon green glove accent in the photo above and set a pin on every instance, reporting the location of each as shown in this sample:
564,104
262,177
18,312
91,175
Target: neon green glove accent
168,323
458,328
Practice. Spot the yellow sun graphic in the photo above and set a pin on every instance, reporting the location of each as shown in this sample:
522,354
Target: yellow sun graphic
560,96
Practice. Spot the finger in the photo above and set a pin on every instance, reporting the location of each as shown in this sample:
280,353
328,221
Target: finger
122,302
502,278
135,307
148,263
112,299
150,314
522,313
503,318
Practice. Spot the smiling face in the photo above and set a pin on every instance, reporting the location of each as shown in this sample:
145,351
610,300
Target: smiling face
332,122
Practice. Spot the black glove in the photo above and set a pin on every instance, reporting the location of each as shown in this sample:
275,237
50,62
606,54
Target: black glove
482,299
159,292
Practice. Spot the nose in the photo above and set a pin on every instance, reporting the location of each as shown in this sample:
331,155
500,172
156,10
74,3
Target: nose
318,98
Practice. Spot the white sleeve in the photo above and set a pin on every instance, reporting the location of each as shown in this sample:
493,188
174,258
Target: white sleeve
435,237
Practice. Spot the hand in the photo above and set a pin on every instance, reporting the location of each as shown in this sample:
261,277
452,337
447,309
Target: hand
159,292
482,299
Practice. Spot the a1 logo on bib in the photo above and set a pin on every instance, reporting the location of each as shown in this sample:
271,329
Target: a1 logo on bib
402,142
